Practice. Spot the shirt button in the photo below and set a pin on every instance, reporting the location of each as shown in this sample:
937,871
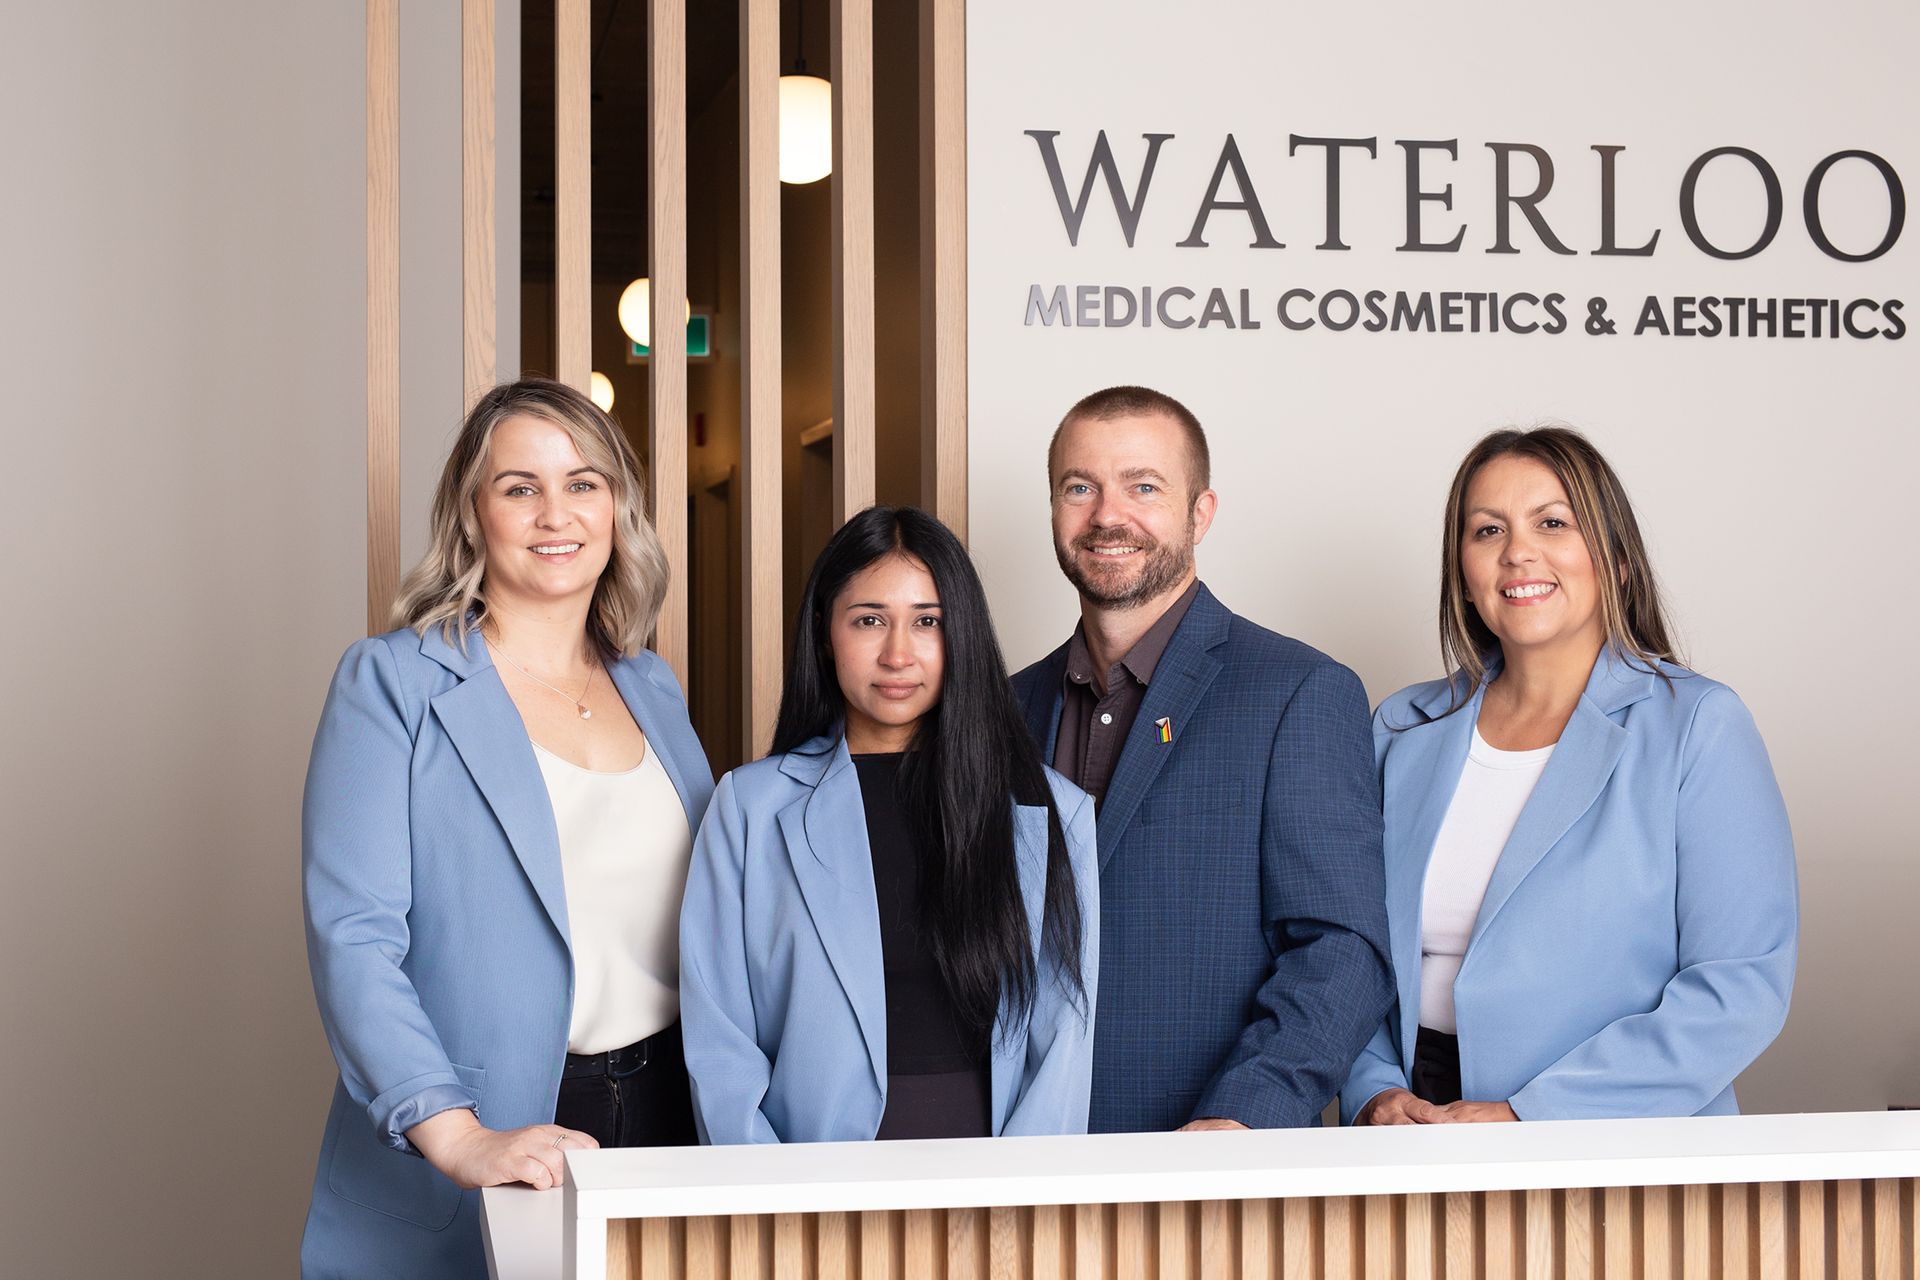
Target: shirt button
1106,717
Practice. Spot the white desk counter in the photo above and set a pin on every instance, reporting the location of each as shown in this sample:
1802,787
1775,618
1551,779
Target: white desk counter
1392,1189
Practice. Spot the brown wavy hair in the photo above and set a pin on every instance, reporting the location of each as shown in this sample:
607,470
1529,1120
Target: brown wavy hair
448,586
1631,608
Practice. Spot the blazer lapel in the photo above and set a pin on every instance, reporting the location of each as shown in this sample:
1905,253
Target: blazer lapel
652,710
1422,774
1043,702
487,731
1576,773
826,839
1185,671
1010,1039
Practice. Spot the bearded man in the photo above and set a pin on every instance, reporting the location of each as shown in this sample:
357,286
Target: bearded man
1243,931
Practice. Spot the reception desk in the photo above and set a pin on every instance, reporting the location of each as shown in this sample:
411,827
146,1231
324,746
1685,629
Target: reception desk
1794,1197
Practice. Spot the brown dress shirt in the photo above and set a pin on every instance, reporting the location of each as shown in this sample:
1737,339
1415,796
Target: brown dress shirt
1094,725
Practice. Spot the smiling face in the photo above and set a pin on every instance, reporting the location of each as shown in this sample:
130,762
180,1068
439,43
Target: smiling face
888,651
546,517
1527,569
1124,520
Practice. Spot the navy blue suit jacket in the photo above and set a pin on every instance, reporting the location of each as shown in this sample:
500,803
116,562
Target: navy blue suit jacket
1243,928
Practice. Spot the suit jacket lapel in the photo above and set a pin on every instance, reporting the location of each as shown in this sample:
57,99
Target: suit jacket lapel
1185,671
1576,773
652,708
826,839
487,731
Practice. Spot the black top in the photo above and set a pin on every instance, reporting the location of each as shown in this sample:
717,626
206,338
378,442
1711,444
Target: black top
939,1080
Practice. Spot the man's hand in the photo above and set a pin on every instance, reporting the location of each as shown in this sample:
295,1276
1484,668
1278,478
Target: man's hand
1208,1124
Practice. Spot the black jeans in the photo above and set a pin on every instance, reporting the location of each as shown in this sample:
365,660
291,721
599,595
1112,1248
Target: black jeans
632,1097
1435,1076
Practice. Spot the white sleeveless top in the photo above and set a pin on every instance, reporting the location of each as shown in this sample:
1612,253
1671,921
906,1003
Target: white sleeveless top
1493,789
624,847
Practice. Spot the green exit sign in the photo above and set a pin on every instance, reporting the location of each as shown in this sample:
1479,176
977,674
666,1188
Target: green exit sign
699,341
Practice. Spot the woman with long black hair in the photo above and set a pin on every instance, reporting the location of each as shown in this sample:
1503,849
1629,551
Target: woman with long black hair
889,927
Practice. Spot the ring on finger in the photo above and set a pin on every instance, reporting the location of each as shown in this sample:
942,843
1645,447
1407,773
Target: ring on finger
562,1138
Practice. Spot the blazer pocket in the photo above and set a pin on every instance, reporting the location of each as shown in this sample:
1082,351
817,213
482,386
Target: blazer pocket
1193,804
369,1173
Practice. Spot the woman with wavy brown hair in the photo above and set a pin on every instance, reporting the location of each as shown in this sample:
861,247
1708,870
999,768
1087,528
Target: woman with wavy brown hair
1590,877
498,817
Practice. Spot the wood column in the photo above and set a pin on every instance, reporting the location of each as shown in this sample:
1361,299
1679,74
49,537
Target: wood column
667,353
943,260
476,197
573,193
764,605
383,310
852,267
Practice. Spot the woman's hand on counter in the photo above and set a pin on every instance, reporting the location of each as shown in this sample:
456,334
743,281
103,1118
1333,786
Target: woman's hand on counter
1476,1113
1398,1106
458,1145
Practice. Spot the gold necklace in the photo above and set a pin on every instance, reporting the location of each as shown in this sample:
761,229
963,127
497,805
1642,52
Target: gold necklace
579,703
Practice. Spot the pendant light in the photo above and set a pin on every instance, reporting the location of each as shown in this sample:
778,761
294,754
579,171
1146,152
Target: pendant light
806,115
636,311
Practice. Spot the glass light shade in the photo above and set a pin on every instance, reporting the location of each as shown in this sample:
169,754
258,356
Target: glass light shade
600,391
636,311
806,129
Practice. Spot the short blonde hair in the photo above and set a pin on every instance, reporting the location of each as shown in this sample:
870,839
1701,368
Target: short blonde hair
448,586
1631,608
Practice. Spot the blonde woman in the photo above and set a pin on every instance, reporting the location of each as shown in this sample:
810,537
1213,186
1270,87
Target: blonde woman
496,831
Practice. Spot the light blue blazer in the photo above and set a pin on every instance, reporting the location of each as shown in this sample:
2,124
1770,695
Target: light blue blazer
437,932
782,992
1635,949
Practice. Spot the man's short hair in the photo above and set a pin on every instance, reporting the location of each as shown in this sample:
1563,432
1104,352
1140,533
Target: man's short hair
1140,402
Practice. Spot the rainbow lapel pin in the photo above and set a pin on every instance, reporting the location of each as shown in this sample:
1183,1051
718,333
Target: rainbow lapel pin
1165,725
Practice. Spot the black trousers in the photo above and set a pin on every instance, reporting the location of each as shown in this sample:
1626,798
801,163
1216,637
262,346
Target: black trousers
1435,1076
631,1097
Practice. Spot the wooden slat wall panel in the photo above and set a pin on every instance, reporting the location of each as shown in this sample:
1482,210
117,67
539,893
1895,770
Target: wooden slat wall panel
573,193
476,196
1736,1229
1581,1258
852,267
1656,1233
943,260
383,310
1857,1230
1052,1259
764,608
1886,1229
1618,1247
1773,1231
835,1250
1811,1229
667,353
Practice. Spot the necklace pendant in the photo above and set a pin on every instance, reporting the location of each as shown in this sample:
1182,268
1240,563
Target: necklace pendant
584,713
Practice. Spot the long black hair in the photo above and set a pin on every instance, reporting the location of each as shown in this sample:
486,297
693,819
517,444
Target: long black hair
971,759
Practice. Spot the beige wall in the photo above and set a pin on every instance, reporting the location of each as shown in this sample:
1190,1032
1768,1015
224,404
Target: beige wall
183,335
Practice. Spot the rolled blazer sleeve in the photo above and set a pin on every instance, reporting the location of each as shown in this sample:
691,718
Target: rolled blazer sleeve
1738,915
1058,1086
729,1072
356,870
1323,884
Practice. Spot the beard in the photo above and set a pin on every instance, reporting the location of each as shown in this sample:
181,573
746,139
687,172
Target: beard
1130,582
